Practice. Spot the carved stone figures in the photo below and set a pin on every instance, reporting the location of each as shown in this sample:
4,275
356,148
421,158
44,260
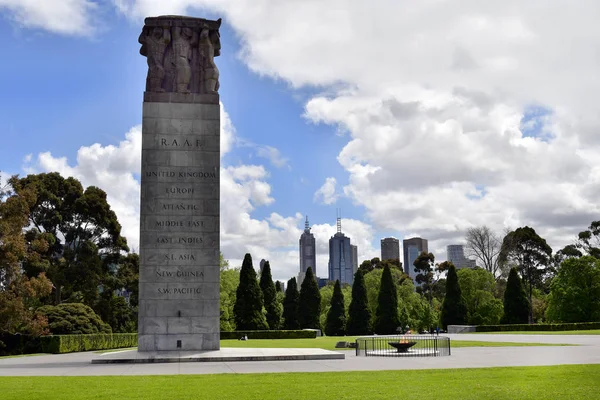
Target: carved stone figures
207,54
154,44
180,53
183,40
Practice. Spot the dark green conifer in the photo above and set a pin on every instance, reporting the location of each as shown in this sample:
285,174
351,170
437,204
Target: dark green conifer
359,314
336,316
454,308
248,308
516,304
387,319
290,306
270,297
309,307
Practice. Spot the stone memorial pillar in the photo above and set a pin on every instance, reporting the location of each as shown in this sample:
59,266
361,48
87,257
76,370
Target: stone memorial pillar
179,217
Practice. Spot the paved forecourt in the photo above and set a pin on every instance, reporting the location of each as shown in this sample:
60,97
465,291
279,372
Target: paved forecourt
585,350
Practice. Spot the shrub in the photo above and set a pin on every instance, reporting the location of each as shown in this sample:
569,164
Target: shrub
539,327
73,318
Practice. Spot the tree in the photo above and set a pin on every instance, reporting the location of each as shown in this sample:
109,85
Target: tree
484,245
248,309
386,317
359,314
516,304
19,295
477,287
376,263
73,318
290,306
78,231
270,297
278,287
19,302
229,282
530,253
575,291
589,240
336,316
423,266
454,309
309,307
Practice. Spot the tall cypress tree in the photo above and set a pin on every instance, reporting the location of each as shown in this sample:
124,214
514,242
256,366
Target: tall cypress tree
248,308
290,306
387,319
454,308
359,314
516,304
278,287
309,308
270,297
336,316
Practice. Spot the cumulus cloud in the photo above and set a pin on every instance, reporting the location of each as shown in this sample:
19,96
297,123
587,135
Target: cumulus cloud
435,99
244,188
326,194
67,17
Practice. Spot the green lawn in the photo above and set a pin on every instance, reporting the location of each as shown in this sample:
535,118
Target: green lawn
328,343
588,332
557,382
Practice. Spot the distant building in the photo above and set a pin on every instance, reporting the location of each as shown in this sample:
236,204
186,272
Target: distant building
354,258
262,264
308,254
322,282
455,253
340,257
412,248
390,249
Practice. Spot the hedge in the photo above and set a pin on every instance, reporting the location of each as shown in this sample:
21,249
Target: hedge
297,334
55,344
539,327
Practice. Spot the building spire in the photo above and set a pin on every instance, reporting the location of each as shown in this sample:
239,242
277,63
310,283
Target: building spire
306,226
339,220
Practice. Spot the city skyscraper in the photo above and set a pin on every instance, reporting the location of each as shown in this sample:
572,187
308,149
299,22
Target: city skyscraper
390,249
340,257
411,249
308,256
455,253
354,258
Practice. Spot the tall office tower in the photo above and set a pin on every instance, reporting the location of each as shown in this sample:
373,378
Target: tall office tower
390,249
340,257
308,255
262,264
354,258
455,253
412,248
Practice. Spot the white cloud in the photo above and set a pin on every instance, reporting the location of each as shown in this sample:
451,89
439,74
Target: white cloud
67,17
273,155
244,188
326,194
432,95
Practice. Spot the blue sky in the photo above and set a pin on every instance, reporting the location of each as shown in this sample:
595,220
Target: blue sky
428,125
